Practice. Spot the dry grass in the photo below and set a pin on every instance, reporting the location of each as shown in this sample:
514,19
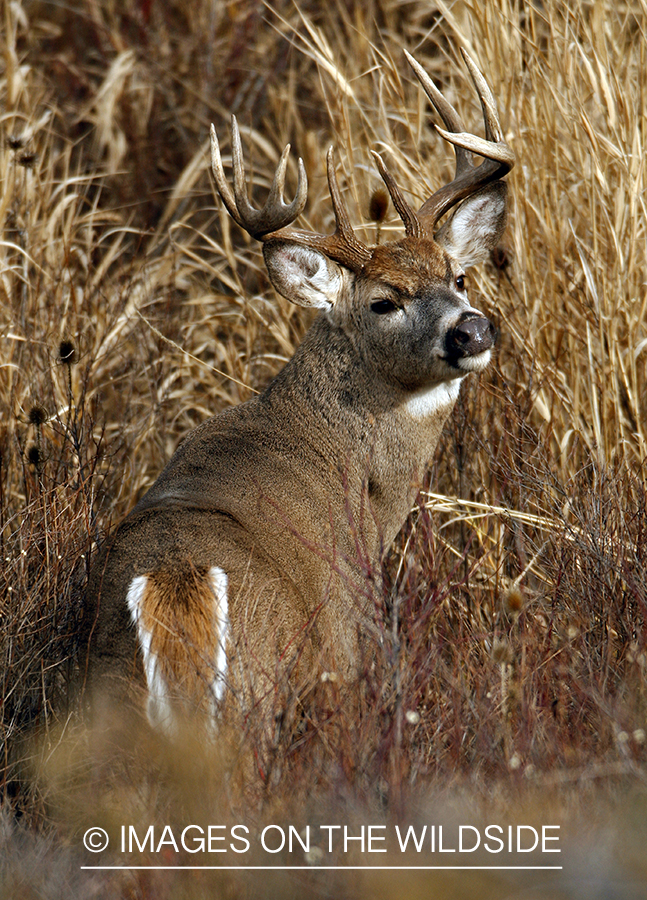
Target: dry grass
510,674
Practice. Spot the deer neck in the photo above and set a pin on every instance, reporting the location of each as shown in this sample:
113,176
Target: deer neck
377,438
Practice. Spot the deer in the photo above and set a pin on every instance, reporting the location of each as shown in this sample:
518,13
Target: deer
245,563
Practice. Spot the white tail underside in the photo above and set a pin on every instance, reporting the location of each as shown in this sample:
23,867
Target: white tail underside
159,707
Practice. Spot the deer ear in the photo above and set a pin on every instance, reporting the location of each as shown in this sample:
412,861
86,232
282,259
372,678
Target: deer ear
477,225
303,276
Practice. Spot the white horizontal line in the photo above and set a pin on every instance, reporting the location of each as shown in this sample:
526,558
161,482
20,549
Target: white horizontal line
339,868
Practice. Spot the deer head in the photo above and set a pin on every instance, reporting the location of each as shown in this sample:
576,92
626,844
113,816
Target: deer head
404,303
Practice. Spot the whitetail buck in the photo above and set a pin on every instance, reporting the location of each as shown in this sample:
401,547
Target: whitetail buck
245,564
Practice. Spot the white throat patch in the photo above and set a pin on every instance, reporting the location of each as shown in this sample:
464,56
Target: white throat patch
428,401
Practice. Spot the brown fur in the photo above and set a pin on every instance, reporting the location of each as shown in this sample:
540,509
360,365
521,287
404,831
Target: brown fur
179,610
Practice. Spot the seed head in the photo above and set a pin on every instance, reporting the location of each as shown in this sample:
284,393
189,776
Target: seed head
15,141
513,600
501,651
28,159
67,352
378,205
33,455
37,416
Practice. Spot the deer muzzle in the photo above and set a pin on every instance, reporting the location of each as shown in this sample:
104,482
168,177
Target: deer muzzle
473,334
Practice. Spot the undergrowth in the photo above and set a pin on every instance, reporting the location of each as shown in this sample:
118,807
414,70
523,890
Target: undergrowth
508,656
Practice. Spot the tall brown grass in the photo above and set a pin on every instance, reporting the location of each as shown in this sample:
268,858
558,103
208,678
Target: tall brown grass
510,649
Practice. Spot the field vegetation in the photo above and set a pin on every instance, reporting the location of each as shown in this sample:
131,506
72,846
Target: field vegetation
507,674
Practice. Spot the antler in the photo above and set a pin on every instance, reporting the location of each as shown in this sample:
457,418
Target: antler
275,214
498,157
270,222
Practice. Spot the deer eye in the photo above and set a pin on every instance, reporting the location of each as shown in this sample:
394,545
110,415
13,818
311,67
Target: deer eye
460,283
381,307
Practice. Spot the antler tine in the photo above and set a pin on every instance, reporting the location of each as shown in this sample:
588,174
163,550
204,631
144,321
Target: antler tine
342,246
356,252
275,213
342,220
498,157
221,181
270,222
447,112
488,103
412,225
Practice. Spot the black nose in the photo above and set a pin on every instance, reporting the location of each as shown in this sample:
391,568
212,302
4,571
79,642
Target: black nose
472,335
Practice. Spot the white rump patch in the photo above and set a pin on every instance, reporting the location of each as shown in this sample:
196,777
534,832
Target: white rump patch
427,402
159,707
159,711
219,583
